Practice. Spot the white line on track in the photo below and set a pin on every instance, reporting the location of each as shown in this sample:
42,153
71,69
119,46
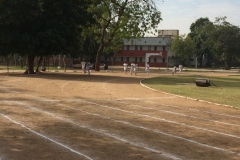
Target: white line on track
220,114
45,137
179,114
152,130
161,119
141,127
161,153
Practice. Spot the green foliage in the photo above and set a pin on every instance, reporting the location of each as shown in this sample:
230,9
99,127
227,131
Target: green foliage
183,49
199,34
121,19
218,41
226,38
42,27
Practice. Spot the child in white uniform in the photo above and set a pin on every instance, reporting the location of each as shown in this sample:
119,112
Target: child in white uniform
132,67
147,68
135,67
174,70
125,66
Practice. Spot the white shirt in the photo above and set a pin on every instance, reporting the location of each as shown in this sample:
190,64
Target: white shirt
125,65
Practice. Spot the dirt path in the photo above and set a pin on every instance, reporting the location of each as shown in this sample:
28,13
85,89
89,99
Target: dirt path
109,116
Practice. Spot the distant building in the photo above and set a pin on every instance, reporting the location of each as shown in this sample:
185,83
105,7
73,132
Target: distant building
154,50
168,33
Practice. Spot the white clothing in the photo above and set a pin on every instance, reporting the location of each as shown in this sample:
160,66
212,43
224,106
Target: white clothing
135,67
132,67
180,68
174,69
125,66
147,68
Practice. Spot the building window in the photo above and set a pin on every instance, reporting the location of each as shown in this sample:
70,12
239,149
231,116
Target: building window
155,48
163,60
127,59
149,48
127,47
136,47
136,59
155,59
140,59
164,48
114,59
140,47
121,59
149,59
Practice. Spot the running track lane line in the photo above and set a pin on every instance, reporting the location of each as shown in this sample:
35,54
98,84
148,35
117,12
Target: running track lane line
45,137
187,97
161,119
145,128
161,153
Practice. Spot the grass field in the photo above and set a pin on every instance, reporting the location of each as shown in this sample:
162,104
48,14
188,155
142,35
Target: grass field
226,91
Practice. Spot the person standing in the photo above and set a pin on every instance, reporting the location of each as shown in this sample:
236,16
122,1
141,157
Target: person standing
147,67
174,70
135,67
132,67
180,67
87,67
83,63
125,66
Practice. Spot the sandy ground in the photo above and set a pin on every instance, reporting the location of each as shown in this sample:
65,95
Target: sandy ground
109,116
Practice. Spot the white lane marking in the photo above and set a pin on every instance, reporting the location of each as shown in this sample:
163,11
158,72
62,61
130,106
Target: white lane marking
161,119
161,153
148,129
180,114
220,114
152,130
203,101
137,99
43,136
104,84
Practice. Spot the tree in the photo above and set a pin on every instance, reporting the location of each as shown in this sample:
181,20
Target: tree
226,41
183,48
121,19
200,36
42,27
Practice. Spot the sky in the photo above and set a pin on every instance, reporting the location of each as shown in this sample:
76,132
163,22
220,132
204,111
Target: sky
180,14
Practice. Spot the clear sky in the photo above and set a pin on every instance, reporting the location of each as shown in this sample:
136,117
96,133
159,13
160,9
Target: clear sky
180,14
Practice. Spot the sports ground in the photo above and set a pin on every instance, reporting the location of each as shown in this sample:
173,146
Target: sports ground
109,116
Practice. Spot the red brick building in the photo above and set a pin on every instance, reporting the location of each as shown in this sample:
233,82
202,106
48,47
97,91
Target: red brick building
154,50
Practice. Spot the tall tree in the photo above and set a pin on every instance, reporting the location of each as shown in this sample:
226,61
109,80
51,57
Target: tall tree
199,35
42,27
122,19
226,41
183,49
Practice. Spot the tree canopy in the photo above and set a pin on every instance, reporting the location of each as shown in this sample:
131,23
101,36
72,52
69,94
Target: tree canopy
42,27
199,35
217,41
121,19
226,41
183,49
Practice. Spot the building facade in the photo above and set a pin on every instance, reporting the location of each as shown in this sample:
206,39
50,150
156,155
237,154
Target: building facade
153,50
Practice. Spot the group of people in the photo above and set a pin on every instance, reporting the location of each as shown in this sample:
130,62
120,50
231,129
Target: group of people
134,67
174,71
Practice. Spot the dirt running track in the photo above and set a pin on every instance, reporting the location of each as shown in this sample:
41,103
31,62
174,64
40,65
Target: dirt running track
109,116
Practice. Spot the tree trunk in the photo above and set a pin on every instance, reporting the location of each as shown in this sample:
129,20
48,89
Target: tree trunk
30,65
226,66
98,58
39,62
